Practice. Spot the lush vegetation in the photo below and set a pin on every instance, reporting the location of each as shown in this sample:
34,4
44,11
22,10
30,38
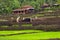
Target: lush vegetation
6,6
29,35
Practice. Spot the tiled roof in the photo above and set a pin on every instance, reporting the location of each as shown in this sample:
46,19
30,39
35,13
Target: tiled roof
27,7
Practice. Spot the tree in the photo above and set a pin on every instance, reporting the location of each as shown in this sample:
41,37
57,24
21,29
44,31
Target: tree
6,6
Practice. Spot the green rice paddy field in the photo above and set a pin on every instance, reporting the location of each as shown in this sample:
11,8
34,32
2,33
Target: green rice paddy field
28,35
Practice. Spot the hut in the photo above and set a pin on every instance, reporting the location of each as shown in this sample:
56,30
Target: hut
56,5
24,10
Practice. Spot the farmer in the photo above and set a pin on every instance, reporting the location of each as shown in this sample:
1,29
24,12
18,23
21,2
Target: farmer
18,19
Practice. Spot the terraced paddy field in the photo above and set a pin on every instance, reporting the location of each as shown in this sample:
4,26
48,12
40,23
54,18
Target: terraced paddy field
33,34
28,35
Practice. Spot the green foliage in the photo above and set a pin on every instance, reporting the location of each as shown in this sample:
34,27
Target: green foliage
6,6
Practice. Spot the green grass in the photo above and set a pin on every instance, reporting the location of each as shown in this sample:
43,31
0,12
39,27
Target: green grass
18,31
31,36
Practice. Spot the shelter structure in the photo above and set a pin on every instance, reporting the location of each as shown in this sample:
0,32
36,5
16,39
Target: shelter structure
24,10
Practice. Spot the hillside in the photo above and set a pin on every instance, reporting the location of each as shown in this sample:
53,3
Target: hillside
6,6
